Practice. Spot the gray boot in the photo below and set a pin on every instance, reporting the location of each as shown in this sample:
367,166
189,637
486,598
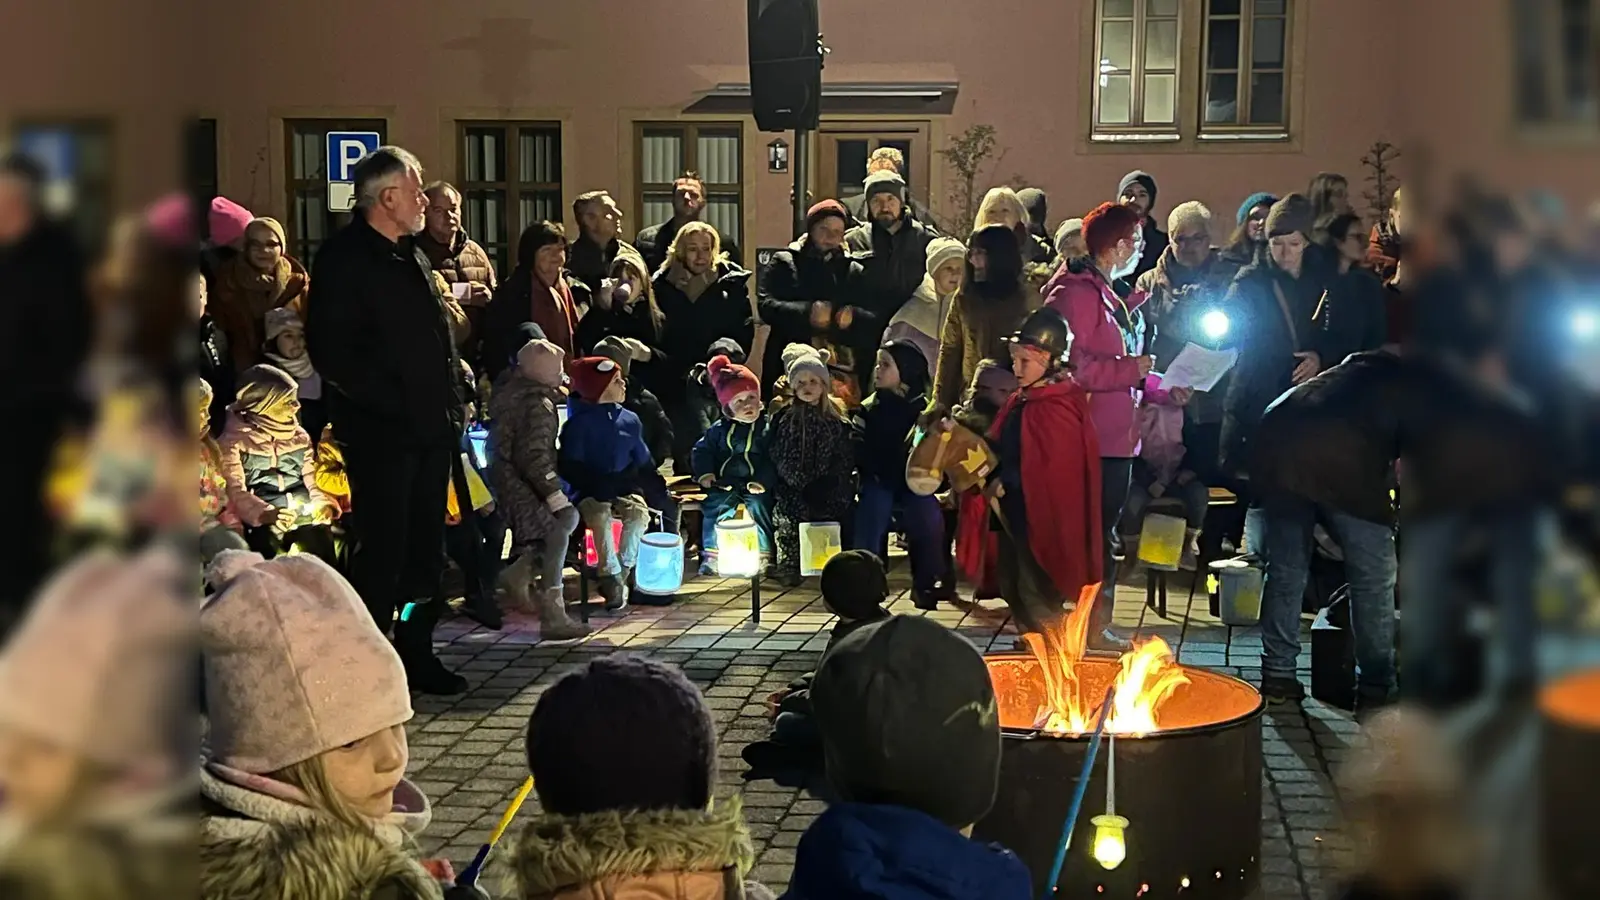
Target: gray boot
515,580
615,592
554,625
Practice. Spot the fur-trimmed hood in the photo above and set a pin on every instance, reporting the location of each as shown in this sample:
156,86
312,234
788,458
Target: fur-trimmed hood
257,846
653,855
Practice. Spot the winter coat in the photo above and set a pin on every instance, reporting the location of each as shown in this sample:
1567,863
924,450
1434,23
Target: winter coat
262,471
897,264
653,420
132,854
654,241
735,453
254,844
858,851
241,298
1178,297
921,320
379,336
602,451
814,457
330,472
523,298
461,261
634,321
1160,431
215,365
590,263
723,310
1108,336
524,420
882,429
636,855
799,276
974,330
1155,246
1266,346
214,490
1354,315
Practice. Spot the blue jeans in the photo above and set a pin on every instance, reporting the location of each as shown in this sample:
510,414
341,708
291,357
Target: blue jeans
723,504
1435,610
924,523
1370,569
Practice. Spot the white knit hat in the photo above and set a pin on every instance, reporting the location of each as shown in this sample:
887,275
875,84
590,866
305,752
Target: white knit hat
941,250
798,358
103,664
294,664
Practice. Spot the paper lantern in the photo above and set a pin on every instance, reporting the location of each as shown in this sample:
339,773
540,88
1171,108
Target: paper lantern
660,570
1161,541
590,557
738,548
819,542
478,440
1238,589
1110,848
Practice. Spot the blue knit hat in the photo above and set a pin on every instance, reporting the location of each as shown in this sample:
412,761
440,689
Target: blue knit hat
1253,201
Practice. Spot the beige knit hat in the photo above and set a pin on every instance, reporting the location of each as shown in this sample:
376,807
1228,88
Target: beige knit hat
294,664
103,663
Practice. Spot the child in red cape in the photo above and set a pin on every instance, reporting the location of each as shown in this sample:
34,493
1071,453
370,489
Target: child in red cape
1049,543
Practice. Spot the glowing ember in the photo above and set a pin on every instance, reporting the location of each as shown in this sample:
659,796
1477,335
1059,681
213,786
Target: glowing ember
1148,675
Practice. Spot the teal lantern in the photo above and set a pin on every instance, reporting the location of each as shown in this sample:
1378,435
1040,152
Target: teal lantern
660,568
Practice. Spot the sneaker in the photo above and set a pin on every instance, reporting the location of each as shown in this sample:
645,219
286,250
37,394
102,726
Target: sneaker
1282,689
708,569
1107,641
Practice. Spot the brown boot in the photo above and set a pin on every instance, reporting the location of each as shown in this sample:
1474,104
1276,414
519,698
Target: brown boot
554,625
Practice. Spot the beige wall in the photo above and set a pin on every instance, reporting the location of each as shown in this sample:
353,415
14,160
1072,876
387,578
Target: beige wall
1023,65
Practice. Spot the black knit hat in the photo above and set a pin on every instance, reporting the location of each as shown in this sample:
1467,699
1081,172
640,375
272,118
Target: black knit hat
908,718
1138,176
912,364
1289,215
622,733
855,585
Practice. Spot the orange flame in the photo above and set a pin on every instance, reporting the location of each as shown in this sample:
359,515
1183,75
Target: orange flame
1147,676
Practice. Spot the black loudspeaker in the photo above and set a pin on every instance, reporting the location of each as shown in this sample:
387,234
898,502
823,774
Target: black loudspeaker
785,64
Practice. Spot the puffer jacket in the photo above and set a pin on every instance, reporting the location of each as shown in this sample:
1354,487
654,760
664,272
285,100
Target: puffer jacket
253,844
525,417
1178,299
261,472
722,310
242,297
974,330
1107,338
815,458
734,453
602,451
653,855
460,261
799,276
896,265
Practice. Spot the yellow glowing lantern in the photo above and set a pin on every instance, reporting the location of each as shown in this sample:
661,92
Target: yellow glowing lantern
819,542
1161,541
1238,591
1109,847
738,547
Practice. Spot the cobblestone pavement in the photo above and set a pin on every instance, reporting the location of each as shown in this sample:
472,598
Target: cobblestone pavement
467,752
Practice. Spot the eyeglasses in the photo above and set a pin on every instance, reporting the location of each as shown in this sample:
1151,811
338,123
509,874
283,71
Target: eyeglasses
1258,217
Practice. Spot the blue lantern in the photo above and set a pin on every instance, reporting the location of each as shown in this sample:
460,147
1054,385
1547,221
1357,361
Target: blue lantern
660,569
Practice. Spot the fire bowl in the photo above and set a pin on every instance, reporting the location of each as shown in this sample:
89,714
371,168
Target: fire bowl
1191,791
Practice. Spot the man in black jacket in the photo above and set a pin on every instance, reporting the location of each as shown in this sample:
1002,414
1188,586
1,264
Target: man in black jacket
897,244
589,258
378,334
42,347
688,205
813,291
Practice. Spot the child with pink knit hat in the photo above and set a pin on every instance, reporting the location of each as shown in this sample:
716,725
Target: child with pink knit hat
303,775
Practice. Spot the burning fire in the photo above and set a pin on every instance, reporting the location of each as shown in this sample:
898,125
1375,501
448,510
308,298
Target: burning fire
1147,676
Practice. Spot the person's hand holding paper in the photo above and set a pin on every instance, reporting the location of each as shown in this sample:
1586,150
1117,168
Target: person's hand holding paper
1198,368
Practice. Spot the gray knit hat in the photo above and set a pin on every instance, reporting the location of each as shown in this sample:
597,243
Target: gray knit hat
1289,215
886,182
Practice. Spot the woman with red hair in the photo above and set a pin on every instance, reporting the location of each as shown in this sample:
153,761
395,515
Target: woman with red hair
1109,361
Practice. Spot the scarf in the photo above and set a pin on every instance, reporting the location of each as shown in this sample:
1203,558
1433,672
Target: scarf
298,366
260,290
692,285
267,404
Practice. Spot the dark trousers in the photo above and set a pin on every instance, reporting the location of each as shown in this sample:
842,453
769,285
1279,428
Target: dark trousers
397,509
1116,474
1027,588
924,524
25,552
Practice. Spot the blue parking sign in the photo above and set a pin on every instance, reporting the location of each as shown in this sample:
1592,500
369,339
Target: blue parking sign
345,149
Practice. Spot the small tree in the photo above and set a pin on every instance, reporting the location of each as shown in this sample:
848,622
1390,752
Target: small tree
968,154
1382,182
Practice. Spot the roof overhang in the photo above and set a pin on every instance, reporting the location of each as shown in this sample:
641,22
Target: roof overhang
846,98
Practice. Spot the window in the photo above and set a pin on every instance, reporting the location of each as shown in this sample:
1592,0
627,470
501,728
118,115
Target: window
200,159
842,168
310,220
1558,71
77,158
715,151
1181,70
1245,64
1137,48
510,177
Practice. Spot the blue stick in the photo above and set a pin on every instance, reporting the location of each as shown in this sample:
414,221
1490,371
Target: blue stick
1077,797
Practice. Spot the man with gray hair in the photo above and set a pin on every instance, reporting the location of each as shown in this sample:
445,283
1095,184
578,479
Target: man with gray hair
379,334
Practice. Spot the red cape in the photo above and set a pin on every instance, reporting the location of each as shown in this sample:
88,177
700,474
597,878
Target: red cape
1061,468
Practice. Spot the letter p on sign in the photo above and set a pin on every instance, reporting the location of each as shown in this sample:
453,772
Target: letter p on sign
345,149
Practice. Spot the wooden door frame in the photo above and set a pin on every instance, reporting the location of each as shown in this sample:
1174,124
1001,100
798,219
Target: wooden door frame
918,131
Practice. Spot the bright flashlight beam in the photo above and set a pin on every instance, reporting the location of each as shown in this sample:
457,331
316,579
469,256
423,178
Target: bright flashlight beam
1585,323
1214,324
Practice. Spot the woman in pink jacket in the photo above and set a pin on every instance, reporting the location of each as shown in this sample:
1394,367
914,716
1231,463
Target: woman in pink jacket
1109,361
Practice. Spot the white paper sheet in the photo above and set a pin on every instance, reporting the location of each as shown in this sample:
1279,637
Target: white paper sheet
461,290
1198,368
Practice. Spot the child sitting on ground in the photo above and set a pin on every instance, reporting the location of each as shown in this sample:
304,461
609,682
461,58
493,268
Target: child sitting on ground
303,779
911,739
730,460
855,588
603,459
286,349
623,754
525,413
813,454
883,427
269,463
1158,472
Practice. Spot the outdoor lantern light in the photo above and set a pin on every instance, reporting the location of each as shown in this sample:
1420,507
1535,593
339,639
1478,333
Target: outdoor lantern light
660,571
591,558
819,542
1161,541
1109,847
738,547
1214,324
478,440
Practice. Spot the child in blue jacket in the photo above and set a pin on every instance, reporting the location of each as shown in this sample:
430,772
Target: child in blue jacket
730,460
603,458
